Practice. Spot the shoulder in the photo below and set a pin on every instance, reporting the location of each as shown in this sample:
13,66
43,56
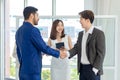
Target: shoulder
51,40
66,36
80,33
35,30
98,31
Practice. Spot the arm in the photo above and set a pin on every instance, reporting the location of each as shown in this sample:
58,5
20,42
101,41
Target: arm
15,56
70,42
73,51
100,51
14,52
18,54
41,45
49,42
76,47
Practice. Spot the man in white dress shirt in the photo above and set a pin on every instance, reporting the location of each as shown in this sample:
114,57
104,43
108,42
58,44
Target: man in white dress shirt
90,48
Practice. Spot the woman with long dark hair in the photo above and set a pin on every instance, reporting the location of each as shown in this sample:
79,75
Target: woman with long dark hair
60,68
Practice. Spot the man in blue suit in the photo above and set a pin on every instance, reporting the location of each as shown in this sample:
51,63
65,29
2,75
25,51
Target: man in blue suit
30,45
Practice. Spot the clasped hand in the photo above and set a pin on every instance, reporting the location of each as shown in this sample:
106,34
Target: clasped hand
63,53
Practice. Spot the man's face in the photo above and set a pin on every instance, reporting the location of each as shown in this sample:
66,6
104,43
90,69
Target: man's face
36,19
83,22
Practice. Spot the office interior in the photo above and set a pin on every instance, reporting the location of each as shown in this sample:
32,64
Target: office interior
107,18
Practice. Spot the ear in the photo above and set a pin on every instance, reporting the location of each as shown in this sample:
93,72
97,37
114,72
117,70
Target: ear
88,20
31,16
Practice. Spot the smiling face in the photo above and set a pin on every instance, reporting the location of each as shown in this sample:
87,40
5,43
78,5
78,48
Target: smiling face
83,22
60,28
57,29
86,19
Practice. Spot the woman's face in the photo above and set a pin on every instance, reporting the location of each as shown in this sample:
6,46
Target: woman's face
60,27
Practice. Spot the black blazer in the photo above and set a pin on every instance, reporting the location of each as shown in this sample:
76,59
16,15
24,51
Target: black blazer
95,49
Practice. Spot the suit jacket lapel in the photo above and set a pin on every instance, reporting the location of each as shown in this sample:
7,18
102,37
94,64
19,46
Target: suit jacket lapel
89,37
81,35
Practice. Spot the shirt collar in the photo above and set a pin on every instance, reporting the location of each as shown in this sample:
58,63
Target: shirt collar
90,30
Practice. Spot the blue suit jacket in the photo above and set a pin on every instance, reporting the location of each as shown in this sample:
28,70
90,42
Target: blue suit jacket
29,47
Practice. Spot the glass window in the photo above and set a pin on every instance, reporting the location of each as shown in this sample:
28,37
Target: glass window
45,27
72,25
16,7
44,6
69,7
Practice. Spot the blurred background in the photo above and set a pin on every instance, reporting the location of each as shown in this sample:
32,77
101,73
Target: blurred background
107,18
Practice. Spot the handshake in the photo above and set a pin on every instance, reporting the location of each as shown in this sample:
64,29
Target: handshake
63,53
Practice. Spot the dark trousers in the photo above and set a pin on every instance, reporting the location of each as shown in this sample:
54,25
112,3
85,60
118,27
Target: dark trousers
23,76
86,73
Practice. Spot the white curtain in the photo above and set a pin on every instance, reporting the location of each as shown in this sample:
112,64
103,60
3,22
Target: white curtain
103,7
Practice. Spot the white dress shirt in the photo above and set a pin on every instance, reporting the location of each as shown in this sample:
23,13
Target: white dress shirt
84,59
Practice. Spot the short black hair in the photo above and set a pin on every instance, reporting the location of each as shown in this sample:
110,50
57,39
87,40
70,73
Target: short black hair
28,10
87,14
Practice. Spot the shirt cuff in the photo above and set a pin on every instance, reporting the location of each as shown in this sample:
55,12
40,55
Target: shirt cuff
68,54
95,70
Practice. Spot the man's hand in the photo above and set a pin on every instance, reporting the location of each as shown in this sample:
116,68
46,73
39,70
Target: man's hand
63,53
95,70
